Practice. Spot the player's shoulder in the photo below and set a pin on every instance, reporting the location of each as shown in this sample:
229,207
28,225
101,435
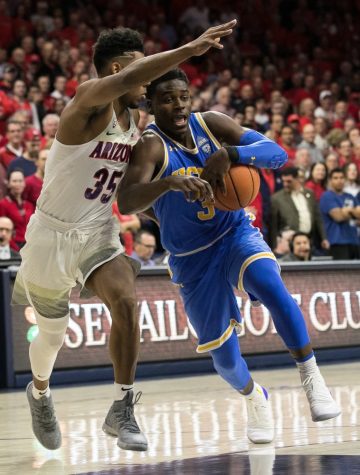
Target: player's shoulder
149,143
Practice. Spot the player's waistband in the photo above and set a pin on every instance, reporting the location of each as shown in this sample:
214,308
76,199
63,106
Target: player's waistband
63,226
202,248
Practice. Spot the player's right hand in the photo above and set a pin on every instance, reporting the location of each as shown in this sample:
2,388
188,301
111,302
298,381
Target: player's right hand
211,38
193,187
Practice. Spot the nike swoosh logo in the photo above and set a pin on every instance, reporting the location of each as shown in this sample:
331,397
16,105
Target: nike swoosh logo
110,133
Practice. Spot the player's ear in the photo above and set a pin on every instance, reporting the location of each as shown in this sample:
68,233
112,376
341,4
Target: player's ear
149,106
116,67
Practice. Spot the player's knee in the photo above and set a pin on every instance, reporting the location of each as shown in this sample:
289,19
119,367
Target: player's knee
123,311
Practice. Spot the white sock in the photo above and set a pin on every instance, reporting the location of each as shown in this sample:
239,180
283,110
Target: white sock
309,366
39,393
121,390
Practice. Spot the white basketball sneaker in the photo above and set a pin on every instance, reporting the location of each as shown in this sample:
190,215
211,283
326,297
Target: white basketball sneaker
260,420
322,404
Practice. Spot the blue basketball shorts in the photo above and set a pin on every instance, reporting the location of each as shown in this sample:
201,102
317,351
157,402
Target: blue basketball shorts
207,279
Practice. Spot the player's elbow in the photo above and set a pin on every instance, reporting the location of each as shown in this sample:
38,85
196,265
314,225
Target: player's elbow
124,205
280,157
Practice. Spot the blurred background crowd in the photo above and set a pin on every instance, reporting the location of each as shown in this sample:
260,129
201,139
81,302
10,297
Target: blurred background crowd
290,71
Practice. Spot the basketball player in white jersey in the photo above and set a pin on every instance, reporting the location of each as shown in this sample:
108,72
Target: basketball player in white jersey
72,237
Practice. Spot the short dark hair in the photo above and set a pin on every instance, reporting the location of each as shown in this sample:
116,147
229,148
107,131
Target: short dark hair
293,171
336,170
115,42
169,76
295,235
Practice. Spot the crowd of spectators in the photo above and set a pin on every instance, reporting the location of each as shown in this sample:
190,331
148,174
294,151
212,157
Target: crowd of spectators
291,70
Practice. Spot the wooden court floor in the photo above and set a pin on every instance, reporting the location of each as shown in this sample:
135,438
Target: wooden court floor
195,425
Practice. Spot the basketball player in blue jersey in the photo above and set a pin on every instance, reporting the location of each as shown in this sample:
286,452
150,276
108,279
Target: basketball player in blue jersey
174,168
72,237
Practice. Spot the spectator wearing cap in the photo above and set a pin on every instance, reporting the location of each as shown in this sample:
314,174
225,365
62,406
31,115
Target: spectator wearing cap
6,233
27,162
340,211
293,121
295,207
14,147
16,208
34,183
309,143
326,107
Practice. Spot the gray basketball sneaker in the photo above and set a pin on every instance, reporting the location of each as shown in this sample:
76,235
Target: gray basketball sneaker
120,422
44,424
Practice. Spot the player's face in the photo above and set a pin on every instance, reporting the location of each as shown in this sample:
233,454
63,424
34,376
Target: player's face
135,96
171,106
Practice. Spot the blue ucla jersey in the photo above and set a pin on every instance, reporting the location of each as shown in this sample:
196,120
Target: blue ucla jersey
189,227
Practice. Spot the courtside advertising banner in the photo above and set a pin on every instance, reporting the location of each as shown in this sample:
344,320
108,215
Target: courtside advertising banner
329,300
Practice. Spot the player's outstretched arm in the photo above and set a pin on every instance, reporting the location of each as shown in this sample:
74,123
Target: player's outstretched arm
244,146
102,91
137,192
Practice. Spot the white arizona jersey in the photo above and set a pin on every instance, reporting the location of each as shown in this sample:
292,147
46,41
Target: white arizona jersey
81,180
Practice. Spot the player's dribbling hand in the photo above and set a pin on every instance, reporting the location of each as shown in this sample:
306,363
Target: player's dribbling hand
216,167
193,187
211,38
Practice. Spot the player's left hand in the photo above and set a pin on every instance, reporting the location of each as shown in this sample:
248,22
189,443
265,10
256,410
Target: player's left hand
216,167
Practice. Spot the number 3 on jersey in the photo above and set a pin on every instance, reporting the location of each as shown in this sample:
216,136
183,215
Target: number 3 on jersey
103,184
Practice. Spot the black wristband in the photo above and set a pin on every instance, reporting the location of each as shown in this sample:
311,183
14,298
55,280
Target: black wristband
232,153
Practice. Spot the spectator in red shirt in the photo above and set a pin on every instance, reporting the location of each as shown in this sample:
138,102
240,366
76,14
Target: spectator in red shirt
317,180
8,78
276,124
286,141
14,207
306,110
14,148
72,84
341,113
19,94
34,183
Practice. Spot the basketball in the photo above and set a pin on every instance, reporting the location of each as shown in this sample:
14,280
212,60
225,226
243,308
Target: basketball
242,186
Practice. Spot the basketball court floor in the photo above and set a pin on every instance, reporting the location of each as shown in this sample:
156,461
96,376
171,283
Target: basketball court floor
195,426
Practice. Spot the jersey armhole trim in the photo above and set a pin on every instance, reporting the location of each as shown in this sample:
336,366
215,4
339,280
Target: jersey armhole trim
166,155
203,124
